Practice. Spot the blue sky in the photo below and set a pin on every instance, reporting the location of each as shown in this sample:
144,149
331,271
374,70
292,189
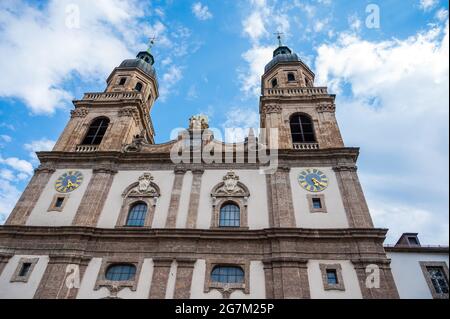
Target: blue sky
391,81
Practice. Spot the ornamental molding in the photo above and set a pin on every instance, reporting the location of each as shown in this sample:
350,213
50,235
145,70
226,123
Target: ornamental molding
130,111
272,108
79,112
326,107
343,168
144,187
231,186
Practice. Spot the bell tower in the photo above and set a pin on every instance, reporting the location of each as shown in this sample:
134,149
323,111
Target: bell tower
290,102
106,121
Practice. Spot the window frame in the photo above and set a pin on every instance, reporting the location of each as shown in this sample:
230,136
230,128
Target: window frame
122,79
131,207
227,289
312,209
139,83
291,74
301,126
53,207
324,268
227,204
116,286
424,265
132,196
239,196
112,266
96,135
22,261
272,85
228,267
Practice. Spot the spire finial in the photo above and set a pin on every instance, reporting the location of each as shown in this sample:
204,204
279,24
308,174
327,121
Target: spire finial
279,37
151,44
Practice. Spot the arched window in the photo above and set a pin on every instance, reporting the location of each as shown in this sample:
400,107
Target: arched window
137,215
291,77
138,87
227,275
274,83
230,215
121,272
302,129
96,131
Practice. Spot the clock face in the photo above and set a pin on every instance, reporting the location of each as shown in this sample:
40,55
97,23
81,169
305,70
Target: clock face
313,180
68,182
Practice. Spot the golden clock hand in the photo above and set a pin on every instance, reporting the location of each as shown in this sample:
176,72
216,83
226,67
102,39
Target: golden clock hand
70,184
317,183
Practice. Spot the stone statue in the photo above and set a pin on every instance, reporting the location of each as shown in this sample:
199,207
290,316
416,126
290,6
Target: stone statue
198,122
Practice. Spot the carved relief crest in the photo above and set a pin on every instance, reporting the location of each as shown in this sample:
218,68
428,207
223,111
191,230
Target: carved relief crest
231,181
231,186
144,187
145,182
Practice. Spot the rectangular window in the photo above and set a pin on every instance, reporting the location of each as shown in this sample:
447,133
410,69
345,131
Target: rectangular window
332,277
59,202
317,203
123,81
438,280
24,269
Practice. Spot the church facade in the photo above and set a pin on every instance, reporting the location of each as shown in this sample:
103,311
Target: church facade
111,214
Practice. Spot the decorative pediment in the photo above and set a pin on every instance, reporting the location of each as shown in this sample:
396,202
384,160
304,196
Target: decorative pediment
230,187
144,187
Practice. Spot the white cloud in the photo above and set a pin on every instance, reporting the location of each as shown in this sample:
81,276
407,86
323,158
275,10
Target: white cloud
9,195
355,22
442,15
5,138
398,113
173,75
7,174
42,145
263,15
256,58
427,4
18,165
201,11
241,117
47,46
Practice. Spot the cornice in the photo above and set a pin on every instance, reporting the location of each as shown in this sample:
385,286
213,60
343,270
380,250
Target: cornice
332,156
198,234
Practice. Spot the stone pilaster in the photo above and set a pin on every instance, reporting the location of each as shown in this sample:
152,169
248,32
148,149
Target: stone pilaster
280,199
161,272
183,282
94,198
195,198
286,278
62,277
4,258
355,204
30,196
171,221
73,132
387,288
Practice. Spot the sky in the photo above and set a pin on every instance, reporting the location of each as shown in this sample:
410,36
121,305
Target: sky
387,61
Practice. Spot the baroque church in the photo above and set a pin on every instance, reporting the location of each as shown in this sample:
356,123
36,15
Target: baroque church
111,214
